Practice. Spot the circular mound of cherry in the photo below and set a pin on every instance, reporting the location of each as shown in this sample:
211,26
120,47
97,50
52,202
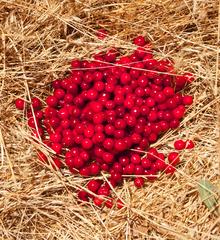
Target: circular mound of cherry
104,116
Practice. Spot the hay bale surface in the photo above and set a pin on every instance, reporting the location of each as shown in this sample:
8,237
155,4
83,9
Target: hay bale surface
38,40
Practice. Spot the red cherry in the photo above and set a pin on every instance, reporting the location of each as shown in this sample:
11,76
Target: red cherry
187,100
42,157
104,191
20,104
57,147
84,172
124,161
87,143
146,163
102,34
190,144
170,170
36,103
125,78
93,185
108,143
179,144
109,203
139,182
108,157
57,163
129,169
94,169
139,41
138,170
173,158
135,159
55,137
178,112
120,204
83,195
120,145
52,101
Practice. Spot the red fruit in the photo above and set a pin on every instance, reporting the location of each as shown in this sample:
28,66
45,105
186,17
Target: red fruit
78,162
160,165
139,41
36,103
94,169
108,143
37,133
109,203
174,123
135,158
104,190
57,147
116,177
87,143
189,77
93,185
139,182
20,104
138,170
83,195
57,163
129,169
179,144
190,144
102,34
173,158
98,138
124,161
55,137
120,145
178,112
151,174
42,157
84,172
187,100
108,157
125,78
56,84
75,64
120,204
52,101
170,170
146,163
33,123
98,201
152,154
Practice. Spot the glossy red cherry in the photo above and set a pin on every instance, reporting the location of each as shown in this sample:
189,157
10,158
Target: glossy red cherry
173,158
190,144
83,195
93,185
87,143
135,158
102,34
20,104
52,101
179,144
36,103
170,170
187,100
139,182
139,41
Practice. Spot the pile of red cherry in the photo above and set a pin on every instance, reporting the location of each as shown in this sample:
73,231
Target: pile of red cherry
104,116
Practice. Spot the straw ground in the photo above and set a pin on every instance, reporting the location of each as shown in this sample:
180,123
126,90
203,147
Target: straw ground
38,40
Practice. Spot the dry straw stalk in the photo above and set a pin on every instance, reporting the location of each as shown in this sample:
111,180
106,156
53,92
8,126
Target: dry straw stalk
38,40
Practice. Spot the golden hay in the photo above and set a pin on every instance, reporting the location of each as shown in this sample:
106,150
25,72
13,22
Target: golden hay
38,40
